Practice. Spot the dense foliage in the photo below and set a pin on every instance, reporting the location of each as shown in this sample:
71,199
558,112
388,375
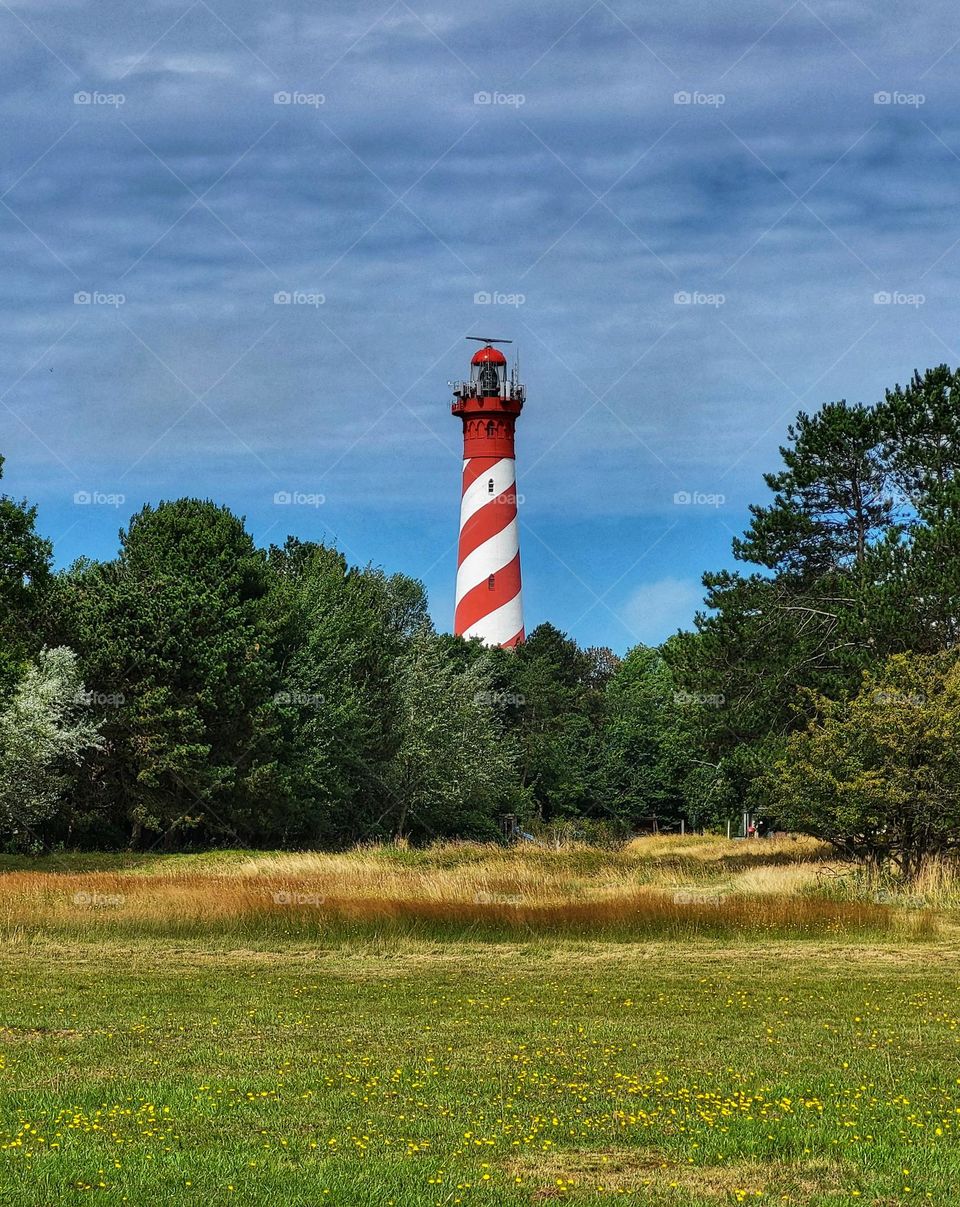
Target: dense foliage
284,697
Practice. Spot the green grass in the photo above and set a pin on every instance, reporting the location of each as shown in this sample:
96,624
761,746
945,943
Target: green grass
415,1072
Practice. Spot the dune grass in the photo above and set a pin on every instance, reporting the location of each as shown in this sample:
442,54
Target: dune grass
653,888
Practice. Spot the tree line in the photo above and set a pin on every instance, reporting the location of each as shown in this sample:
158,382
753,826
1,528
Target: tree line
197,690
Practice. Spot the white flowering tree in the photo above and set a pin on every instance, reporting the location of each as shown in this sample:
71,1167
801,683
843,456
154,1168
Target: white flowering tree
44,728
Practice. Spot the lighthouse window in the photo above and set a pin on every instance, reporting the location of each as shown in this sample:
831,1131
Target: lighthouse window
491,582
489,380
490,486
491,427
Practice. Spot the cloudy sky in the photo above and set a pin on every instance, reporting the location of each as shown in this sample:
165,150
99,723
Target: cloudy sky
682,214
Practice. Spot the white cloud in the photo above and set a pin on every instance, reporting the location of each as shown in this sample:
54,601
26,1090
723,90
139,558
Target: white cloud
655,610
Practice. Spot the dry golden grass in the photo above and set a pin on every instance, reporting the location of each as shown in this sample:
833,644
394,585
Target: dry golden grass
780,848
633,1171
655,886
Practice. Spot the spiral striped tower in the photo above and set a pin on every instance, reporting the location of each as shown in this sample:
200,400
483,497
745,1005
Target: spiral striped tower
489,601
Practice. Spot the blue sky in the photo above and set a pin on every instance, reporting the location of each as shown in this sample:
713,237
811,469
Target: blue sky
685,213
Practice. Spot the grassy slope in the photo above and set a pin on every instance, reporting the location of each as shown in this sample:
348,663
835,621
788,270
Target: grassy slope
369,1048
419,1074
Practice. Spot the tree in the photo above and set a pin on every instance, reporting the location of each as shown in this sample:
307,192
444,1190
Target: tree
24,578
804,620
560,714
337,703
878,773
177,635
921,422
644,761
44,730
832,499
453,770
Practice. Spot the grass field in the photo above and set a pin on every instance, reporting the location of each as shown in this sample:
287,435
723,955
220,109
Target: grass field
380,1058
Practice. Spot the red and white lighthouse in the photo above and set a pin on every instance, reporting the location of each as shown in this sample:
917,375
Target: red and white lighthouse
489,601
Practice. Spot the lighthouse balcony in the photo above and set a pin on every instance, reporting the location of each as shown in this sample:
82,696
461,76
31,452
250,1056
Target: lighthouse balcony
471,391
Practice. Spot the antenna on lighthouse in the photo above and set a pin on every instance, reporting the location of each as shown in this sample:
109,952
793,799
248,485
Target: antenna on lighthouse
482,339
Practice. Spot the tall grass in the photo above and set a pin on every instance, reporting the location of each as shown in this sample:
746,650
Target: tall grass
654,887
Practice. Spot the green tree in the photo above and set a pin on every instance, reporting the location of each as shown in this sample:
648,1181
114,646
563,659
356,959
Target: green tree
24,579
559,690
453,769
878,773
804,619
922,434
177,637
832,499
338,701
645,760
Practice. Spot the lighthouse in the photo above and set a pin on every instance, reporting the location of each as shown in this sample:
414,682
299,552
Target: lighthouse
489,602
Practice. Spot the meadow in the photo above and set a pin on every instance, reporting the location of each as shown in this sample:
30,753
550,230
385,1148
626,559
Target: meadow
677,1024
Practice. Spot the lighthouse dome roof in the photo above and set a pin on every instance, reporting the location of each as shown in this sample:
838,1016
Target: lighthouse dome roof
488,356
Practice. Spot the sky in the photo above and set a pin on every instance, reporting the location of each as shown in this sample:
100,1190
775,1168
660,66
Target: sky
243,244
